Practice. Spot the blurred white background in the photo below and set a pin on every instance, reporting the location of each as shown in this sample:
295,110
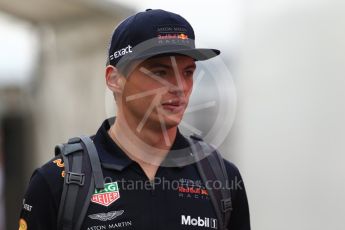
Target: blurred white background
287,59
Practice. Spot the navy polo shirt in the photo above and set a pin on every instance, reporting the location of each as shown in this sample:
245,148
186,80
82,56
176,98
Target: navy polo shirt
176,199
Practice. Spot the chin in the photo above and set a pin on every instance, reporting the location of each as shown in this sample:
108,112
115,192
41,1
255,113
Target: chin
172,120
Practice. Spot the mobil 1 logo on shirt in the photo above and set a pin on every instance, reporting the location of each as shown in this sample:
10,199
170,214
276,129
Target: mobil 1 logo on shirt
198,221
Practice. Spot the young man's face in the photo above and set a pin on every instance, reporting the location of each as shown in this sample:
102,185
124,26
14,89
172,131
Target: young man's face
157,91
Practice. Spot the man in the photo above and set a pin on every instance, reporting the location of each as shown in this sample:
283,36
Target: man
150,180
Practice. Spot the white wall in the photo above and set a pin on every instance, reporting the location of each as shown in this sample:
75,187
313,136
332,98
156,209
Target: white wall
289,131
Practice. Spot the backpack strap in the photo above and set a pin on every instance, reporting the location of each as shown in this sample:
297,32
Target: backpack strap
82,174
211,167
95,163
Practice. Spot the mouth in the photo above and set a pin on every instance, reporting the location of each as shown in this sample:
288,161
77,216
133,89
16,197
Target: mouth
174,105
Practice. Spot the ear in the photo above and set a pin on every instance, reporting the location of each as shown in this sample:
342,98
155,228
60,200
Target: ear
114,79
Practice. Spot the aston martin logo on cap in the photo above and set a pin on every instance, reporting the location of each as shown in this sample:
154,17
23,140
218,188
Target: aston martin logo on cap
172,32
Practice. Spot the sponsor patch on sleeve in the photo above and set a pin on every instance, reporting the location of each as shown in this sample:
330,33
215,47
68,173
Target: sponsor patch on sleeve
22,224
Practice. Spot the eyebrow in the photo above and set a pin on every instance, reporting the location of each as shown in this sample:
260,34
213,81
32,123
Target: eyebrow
157,65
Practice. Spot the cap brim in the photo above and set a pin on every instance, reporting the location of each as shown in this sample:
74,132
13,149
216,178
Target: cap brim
199,54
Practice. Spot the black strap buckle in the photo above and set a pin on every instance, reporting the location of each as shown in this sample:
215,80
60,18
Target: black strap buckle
226,205
75,178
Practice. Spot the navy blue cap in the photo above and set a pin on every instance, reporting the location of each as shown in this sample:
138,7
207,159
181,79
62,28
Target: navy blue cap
151,33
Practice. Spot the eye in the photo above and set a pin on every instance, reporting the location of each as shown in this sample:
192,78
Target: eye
189,73
160,73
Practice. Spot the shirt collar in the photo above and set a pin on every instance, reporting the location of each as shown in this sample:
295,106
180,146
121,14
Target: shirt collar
113,157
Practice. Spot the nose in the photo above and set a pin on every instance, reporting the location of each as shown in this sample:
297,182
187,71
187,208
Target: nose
178,91
179,85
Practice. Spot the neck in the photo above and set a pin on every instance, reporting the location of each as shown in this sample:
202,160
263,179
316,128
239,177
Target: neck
150,145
